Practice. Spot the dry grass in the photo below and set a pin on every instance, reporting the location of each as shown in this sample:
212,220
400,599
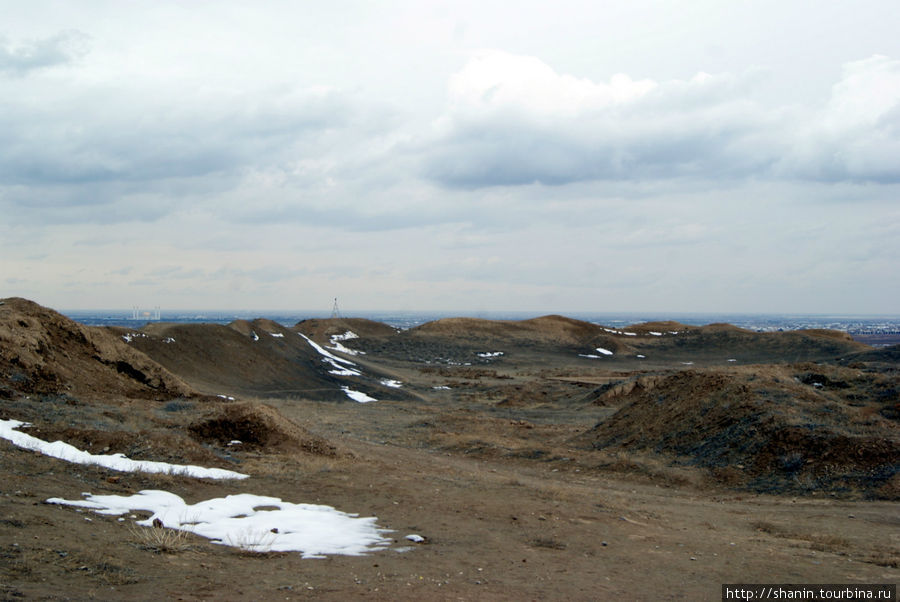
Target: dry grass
252,541
161,540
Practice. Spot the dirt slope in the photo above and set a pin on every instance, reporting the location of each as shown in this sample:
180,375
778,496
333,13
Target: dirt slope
43,352
258,358
794,428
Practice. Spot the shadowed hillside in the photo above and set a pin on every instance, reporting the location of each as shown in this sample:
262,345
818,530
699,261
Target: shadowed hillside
778,428
259,358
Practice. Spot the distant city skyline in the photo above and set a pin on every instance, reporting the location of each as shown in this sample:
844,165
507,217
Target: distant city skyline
431,156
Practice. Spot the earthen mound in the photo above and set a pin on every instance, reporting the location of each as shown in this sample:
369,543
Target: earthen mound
766,429
260,358
546,329
258,426
324,329
718,342
42,351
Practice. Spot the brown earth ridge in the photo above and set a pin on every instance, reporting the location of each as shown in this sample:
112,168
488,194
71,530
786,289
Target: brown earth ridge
541,459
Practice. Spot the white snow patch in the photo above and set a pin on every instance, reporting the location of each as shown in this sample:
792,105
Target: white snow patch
640,356
656,334
277,335
251,522
333,360
688,363
441,388
357,395
325,353
490,354
732,360
120,462
414,537
228,397
589,355
253,335
604,351
630,334
168,340
336,343
344,337
387,382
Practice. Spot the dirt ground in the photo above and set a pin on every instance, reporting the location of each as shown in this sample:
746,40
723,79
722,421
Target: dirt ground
493,472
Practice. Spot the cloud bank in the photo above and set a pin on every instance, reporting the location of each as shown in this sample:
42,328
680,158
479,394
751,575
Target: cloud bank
512,120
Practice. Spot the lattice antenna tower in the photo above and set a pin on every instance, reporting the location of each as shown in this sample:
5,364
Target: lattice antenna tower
335,312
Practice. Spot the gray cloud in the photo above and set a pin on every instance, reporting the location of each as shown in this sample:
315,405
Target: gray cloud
60,49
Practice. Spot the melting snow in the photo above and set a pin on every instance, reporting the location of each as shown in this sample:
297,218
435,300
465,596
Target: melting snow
441,388
168,340
336,343
357,395
251,522
490,354
69,453
335,361
344,337
253,335
228,397
387,382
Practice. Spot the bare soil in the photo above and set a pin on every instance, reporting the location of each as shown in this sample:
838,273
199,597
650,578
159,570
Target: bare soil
535,474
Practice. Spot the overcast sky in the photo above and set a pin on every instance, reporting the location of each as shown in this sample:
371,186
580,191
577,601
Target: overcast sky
648,155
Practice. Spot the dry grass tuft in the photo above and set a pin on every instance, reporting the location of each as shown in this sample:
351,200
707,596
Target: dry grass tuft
161,540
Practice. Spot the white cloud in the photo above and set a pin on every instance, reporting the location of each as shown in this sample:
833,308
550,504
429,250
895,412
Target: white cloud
513,120
856,135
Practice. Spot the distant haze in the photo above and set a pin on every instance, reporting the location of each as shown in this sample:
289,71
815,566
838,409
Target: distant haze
471,156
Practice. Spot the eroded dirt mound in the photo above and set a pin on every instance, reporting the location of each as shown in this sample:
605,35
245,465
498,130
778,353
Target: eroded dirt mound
171,446
258,426
772,429
42,351
260,358
546,329
724,342
324,329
